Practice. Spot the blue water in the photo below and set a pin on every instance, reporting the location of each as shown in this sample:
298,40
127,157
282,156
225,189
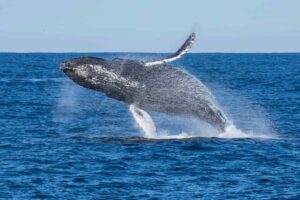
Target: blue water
61,141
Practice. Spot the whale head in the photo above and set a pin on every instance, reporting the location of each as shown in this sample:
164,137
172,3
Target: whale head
88,72
102,75
91,72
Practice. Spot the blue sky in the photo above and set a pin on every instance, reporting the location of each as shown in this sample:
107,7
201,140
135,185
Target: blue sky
149,26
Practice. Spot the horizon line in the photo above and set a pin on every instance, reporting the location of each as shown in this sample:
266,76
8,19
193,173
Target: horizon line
146,52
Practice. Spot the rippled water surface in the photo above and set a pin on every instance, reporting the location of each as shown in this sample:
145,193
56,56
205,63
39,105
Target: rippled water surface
61,141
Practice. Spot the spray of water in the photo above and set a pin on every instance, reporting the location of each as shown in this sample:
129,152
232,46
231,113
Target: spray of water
199,130
67,104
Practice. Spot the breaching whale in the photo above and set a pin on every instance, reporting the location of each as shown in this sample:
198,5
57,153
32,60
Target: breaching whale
149,86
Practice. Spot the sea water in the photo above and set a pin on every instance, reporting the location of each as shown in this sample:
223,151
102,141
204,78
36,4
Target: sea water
61,141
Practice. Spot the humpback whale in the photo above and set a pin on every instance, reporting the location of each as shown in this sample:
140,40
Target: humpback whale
149,86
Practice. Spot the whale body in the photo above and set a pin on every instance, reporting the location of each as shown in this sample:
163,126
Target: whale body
149,86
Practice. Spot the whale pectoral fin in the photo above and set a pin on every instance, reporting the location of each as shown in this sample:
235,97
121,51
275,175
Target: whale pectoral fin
187,45
144,120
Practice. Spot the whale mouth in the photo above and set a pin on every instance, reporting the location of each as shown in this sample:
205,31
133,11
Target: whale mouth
66,67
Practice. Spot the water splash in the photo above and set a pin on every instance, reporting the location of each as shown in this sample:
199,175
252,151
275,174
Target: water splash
245,114
231,131
67,102
198,129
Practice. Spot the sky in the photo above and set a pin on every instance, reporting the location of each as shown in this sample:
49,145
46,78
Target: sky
149,25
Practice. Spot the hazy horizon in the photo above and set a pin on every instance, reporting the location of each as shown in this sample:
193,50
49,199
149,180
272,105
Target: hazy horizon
142,52
259,26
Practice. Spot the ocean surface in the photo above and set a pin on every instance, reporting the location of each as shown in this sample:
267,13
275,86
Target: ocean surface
61,141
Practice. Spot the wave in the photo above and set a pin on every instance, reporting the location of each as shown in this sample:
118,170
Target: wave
33,80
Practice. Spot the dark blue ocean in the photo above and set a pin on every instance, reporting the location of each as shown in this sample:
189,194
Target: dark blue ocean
61,141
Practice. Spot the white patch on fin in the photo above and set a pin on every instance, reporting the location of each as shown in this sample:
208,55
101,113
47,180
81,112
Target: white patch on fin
144,120
187,45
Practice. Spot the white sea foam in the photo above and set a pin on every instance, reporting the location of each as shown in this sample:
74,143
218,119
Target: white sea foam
232,131
147,125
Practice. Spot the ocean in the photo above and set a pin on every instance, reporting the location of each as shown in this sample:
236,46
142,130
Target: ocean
61,141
